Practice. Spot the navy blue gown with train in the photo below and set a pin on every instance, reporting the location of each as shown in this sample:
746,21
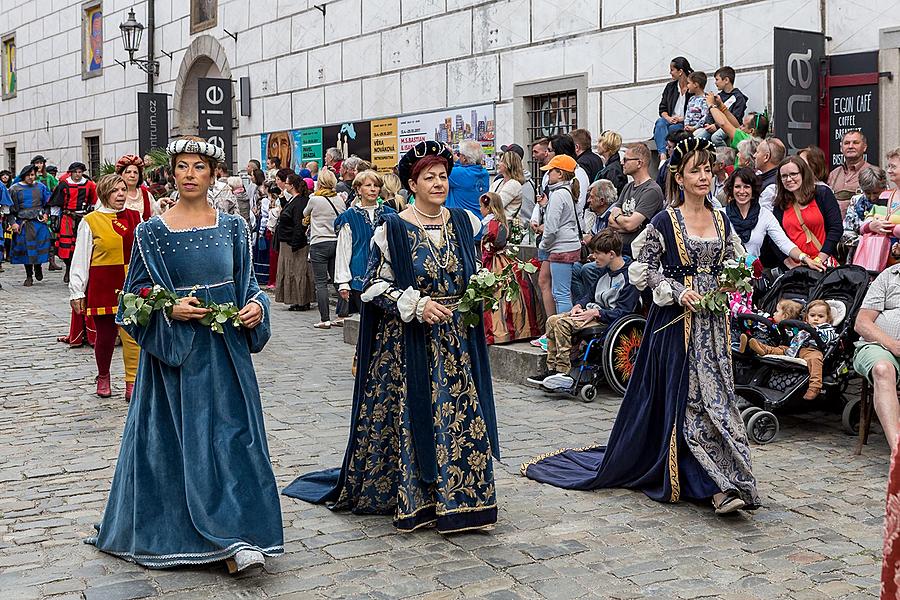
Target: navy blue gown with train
193,483
678,434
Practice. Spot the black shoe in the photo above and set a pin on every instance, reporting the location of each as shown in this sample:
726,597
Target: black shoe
294,307
539,378
38,272
28,282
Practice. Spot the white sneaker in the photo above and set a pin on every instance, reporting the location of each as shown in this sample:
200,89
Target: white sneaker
245,559
558,382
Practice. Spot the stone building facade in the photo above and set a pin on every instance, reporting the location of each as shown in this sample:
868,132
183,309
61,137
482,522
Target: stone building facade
313,63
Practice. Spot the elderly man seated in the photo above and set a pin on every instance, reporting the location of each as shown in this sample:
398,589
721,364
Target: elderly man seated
878,323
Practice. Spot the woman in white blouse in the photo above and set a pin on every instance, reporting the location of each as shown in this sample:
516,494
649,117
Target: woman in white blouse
324,207
754,222
509,185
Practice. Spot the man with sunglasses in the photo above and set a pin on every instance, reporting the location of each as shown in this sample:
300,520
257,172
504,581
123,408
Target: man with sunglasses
640,199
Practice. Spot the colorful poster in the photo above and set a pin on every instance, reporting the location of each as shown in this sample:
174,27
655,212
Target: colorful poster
384,144
451,127
280,144
9,67
310,145
93,43
350,138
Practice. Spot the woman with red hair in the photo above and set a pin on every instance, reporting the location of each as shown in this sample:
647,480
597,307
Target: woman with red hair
423,420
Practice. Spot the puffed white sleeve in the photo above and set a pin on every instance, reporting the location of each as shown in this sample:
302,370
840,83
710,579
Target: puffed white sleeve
381,288
342,274
81,261
645,272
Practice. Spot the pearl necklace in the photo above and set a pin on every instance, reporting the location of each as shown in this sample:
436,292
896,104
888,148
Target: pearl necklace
435,251
440,214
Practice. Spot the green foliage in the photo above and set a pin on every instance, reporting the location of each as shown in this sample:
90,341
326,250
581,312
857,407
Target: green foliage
139,308
485,289
106,168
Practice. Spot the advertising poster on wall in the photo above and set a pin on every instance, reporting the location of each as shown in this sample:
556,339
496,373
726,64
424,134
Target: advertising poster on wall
384,144
310,145
349,138
383,141
450,127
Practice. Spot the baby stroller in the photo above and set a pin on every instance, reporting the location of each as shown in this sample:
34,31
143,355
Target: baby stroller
765,384
607,353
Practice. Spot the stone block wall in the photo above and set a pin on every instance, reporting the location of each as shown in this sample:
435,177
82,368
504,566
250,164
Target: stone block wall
367,59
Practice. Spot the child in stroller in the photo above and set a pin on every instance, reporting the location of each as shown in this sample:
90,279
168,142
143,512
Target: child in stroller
777,383
803,344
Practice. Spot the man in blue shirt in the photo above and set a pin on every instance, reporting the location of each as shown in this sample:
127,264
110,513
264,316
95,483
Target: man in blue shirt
468,179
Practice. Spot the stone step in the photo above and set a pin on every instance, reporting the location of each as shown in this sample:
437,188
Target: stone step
509,362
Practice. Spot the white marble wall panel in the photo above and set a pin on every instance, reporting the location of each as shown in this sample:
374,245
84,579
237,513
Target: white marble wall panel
423,89
448,37
617,12
380,15
250,46
658,43
607,58
233,14
290,72
410,10
288,7
247,147
555,20
692,5
381,96
343,19
324,65
343,102
498,25
473,80
308,107
537,62
593,116
504,127
264,81
307,30
276,112
114,129
401,47
276,38
755,85
750,29
261,12
853,26
361,56
631,111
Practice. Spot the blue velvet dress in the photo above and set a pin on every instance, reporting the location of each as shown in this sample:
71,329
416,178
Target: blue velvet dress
193,482
678,434
423,426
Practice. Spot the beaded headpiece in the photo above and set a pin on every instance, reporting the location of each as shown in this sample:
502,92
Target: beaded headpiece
188,146
685,147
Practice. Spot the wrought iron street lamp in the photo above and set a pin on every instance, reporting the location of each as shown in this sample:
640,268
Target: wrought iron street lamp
132,30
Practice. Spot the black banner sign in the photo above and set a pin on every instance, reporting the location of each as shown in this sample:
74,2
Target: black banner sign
798,56
214,114
153,122
853,105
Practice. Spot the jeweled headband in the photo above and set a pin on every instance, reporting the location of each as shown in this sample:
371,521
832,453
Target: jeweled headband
195,147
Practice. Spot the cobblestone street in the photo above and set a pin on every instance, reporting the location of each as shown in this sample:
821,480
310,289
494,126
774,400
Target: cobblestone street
818,534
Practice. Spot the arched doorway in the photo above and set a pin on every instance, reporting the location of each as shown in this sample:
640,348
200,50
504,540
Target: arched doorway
204,58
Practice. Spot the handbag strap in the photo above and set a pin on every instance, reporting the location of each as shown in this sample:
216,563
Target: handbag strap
575,213
328,199
810,238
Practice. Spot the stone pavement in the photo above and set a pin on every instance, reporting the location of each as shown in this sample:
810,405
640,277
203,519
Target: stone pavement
818,535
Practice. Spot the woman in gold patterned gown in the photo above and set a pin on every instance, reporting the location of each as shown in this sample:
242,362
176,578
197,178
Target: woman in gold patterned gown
423,425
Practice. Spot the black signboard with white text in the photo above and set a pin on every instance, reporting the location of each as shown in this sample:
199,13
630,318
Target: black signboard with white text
153,122
214,114
852,103
798,55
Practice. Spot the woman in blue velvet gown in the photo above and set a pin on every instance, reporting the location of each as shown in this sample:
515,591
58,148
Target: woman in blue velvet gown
423,427
678,434
193,482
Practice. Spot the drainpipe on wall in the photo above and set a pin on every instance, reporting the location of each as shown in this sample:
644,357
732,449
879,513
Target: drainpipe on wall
151,34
